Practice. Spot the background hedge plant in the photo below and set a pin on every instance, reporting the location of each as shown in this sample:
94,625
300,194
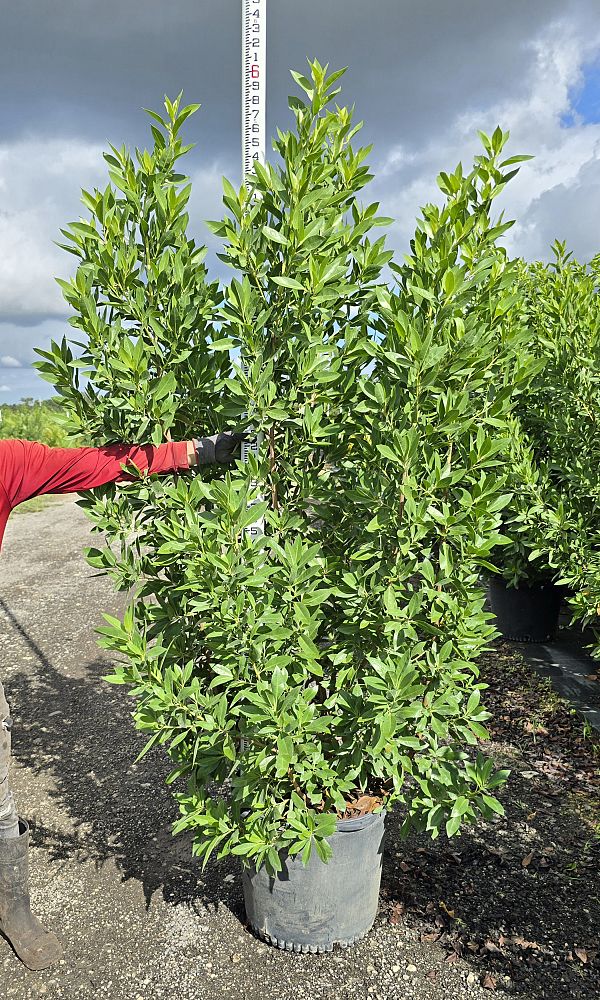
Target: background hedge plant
336,655
554,524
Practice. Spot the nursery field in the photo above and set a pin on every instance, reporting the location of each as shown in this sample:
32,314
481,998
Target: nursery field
34,420
509,908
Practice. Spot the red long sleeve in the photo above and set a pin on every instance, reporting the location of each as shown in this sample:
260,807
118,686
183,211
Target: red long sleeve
28,469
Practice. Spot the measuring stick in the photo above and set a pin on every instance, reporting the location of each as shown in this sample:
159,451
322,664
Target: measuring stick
254,128
254,79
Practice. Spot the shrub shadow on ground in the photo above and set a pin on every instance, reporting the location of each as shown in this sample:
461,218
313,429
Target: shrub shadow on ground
517,900
77,732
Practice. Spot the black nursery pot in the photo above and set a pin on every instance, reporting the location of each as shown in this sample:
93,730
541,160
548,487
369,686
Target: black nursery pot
525,613
314,907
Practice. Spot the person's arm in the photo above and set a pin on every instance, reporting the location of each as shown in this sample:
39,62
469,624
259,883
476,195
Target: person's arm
29,469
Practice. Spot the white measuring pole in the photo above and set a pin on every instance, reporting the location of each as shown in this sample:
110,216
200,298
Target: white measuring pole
254,83
254,130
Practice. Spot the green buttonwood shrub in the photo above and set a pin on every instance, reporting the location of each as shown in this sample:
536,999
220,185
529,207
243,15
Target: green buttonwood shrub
288,674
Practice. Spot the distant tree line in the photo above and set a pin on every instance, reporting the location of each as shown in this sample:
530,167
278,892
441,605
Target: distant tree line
35,420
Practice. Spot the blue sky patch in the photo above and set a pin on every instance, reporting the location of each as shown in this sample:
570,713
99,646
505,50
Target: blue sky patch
585,100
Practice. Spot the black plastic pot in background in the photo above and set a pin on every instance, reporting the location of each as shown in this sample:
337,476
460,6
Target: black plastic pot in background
525,613
313,908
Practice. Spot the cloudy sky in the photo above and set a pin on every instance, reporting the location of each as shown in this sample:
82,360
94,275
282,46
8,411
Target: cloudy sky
424,75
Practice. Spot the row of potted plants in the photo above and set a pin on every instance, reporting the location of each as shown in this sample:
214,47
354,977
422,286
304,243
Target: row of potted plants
307,682
553,521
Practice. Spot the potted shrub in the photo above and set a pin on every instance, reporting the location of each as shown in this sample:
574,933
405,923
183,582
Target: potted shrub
561,416
553,523
522,593
306,681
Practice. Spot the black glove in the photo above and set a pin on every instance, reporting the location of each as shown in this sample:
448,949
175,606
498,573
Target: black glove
218,448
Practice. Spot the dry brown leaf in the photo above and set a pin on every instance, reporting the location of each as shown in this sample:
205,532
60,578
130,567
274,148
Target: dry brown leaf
526,861
490,946
366,803
582,955
397,914
522,943
431,936
533,727
451,958
488,982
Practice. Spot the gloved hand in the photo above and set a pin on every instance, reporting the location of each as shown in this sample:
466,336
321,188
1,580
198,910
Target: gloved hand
218,448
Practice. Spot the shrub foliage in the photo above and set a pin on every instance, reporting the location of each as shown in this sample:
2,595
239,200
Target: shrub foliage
554,521
335,655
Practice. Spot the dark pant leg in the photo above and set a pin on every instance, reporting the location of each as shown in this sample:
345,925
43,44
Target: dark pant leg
9,821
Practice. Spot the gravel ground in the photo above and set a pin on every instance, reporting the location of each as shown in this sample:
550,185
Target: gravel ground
508,909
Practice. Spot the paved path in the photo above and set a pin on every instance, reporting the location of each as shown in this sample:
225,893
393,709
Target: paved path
574,674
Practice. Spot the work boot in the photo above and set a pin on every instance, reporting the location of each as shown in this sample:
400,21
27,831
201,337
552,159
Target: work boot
36,947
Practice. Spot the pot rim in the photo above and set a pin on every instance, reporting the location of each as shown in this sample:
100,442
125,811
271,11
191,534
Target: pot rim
353,823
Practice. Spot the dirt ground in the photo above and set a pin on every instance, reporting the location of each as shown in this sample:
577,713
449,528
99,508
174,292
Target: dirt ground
508,909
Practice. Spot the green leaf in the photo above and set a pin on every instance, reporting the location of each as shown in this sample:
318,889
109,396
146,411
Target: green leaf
223,344
493,804
286,282
453,825
274,235
387,452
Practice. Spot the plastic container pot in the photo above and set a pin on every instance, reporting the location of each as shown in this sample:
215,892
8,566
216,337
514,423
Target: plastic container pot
525,613
313,908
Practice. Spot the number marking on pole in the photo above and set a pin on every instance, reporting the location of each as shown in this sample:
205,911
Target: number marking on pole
254,79
254,127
